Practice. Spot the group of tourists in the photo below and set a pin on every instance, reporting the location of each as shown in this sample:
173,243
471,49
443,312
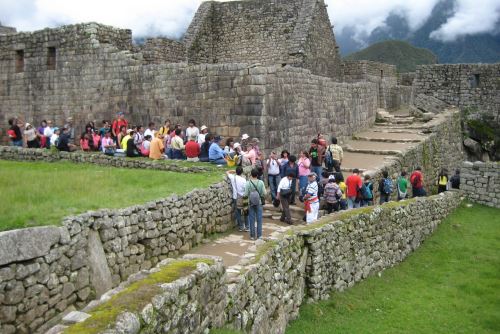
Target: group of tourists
314,177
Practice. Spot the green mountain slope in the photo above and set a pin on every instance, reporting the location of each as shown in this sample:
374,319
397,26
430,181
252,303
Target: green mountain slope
405,56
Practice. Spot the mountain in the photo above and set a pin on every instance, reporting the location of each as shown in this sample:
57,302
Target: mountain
479,48
399,53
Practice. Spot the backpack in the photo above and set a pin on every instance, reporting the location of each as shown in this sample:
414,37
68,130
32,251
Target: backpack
329,158
254,199
366,192
388,186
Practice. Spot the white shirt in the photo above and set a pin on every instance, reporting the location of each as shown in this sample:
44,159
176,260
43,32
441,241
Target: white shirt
194,131
201,138
149,132
146,144
47,132
274,167
238,183
285,184
53,139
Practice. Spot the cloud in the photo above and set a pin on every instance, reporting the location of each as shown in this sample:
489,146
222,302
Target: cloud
172,17
470,18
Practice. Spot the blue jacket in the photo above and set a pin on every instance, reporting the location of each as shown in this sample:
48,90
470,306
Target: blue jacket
215,152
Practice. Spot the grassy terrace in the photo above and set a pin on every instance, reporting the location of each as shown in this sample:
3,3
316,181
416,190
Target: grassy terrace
450,285
37,193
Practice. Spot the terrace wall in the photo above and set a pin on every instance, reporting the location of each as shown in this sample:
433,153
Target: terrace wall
46,271
481,182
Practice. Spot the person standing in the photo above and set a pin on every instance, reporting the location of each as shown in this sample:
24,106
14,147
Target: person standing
284,194
354,184
202,136
311,199
238,183
333,195
417,183
304,170
455,180
443,181
192,130
273,174
255,191
385,188
402,185
368,192
316,154
292,167
333,156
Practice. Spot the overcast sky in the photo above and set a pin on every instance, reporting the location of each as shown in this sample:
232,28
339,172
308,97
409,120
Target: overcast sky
171,17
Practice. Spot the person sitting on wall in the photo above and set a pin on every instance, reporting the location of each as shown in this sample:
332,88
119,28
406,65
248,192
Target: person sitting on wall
156,149
139,136
84,142
108,145
131,150
64,141
124,140
165,129
192,149
122,133
14,132
177,146
117,125
54,138
105,127
202,136
146,144
216,154
150,131
205,147
31,136
417,183
96,140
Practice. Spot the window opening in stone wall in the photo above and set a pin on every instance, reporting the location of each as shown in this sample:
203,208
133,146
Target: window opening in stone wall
476,81
51,58
19,61
381,74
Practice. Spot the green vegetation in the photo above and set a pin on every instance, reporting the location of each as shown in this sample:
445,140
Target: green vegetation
37,193
449,285
134,298
402,54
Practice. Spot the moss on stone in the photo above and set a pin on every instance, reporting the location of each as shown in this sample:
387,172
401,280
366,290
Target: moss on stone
264,249
134,298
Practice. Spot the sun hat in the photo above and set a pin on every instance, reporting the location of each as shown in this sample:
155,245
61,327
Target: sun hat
203,127
236,145
245,137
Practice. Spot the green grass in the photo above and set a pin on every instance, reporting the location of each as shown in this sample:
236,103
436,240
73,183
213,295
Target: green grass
450,285
37,193
134,298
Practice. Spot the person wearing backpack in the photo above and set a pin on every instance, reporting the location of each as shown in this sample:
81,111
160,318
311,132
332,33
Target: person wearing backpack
385,187
402,185
417,183
333,156
255,191
367,191
443,181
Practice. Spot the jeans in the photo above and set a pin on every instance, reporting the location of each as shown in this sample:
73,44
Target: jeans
367,202
285,214
18,143
332,207
353,203
177,155
219,162
419,192
255,213
274,181
294,189
303,184
384,198
241,220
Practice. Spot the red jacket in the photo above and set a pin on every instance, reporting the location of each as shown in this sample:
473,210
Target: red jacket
417,179
192,149
353,183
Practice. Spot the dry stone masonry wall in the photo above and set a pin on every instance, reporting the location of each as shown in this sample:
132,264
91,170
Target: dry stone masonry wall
480,182
48,270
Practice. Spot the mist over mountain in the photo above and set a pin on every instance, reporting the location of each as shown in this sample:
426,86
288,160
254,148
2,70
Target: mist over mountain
470,48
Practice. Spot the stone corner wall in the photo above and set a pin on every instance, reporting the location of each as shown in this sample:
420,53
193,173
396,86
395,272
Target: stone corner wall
480,182
46,271
163,50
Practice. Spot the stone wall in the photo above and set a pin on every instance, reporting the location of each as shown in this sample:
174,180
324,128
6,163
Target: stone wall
296,32
481,182
190,304
6,30
28,154
163,50
46,271
463,85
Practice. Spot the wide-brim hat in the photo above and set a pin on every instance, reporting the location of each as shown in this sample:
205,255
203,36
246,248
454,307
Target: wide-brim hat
245,137
203,127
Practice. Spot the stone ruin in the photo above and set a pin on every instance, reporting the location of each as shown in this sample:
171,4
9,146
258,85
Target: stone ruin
271,69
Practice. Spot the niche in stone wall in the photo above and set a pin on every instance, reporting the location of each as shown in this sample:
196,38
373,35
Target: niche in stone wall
19,61
475,81
51,58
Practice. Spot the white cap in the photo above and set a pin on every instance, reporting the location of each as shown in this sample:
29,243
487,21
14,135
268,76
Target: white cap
245,137
203,127
236,145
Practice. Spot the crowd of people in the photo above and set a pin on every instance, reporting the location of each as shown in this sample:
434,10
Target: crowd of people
314,177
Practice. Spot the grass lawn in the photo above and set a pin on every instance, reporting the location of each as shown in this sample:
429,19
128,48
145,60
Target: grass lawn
450,285
37,193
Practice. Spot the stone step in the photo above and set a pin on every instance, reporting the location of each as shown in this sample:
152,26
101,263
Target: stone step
378,148
369,151
387,140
